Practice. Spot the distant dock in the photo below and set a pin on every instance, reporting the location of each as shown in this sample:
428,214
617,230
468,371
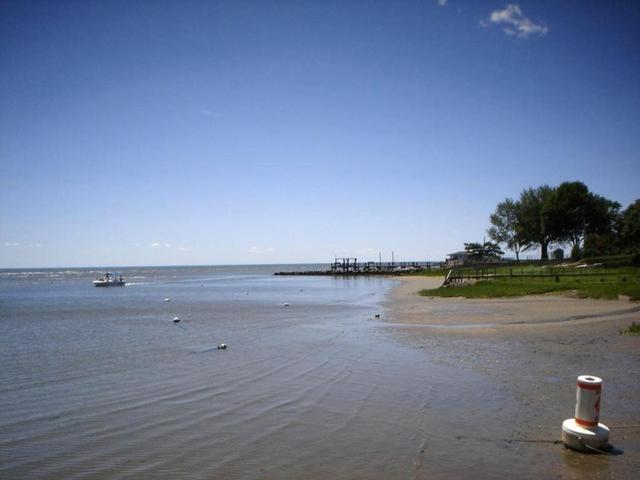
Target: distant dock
351,267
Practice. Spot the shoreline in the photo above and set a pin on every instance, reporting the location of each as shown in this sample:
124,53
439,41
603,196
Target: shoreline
531,349
499,315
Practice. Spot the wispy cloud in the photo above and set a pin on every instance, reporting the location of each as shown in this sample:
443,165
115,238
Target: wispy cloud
160,244
11,244
514,23
262,250
184,249
442,3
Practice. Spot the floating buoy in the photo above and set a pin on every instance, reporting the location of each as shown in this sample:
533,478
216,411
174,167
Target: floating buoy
584,432
222,346
176,319
377,315
286,304
167,299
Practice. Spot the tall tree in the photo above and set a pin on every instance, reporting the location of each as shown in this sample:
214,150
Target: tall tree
630,227
566,211
532,214
505,227
573,212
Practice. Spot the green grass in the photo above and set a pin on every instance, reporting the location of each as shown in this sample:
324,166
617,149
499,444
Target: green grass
618,264
634,329
608,286
539,269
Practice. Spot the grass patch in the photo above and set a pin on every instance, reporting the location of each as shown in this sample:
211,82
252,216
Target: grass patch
609,286
634,329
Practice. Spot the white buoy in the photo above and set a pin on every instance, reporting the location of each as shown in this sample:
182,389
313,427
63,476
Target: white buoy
584,431
222,346
176,319
167,299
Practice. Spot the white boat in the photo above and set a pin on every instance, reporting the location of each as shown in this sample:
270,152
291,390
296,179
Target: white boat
110,279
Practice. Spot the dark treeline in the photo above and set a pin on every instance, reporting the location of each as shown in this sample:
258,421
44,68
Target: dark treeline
566,215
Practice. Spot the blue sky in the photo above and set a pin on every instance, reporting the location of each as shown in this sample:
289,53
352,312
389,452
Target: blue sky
154,133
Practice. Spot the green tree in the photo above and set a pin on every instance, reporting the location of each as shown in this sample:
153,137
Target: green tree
573,212
491,250
482,251
505,228
629,227
532,215
567,210
474,249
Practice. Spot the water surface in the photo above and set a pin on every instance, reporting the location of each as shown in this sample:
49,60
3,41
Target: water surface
100,383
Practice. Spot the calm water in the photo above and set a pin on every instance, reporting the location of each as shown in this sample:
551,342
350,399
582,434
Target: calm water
99,382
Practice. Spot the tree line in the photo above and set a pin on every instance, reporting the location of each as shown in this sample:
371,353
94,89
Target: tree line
568,214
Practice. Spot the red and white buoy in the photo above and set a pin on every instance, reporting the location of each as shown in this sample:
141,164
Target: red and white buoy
584,431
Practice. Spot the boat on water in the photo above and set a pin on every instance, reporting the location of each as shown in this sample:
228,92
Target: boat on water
110,279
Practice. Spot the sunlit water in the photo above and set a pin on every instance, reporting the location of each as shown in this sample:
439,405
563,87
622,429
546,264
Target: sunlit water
100,383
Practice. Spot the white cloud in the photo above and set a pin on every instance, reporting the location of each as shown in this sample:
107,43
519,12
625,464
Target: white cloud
261,250
514,23
11,244
160,244
442,3
184,249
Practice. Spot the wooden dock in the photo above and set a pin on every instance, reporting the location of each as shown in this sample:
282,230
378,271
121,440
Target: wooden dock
351,267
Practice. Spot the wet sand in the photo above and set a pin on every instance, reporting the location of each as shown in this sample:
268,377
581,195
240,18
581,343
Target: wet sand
533,348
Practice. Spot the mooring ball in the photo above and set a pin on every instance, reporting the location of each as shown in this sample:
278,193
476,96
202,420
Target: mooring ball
286,304
176,319
377,315
222,346
167,299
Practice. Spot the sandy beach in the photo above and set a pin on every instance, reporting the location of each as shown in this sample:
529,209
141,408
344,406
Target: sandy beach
533,348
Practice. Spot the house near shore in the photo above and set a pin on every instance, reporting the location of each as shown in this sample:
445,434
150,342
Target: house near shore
475,252
460,258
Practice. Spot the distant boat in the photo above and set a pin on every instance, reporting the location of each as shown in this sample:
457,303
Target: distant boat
110,279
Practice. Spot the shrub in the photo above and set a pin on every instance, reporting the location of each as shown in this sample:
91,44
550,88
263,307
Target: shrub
634,329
